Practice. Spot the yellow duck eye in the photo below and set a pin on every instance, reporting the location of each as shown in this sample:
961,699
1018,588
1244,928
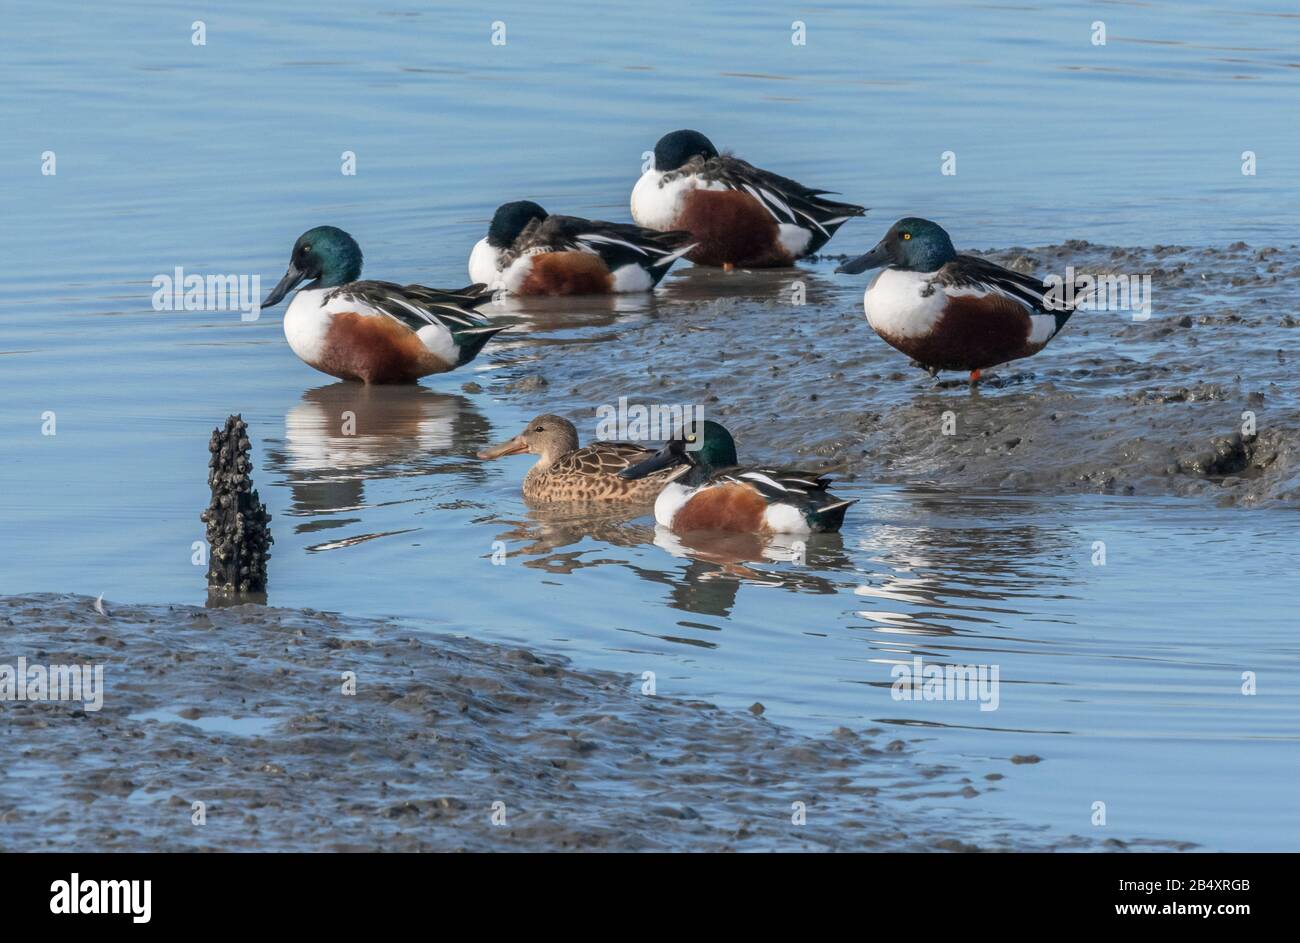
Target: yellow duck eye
907,235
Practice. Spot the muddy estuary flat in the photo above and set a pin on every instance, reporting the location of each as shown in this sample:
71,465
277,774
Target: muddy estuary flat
1107,528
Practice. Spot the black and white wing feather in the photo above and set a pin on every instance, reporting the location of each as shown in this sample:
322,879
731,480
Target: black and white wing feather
777,484
971,273
806,491
618,244
787,200
417,306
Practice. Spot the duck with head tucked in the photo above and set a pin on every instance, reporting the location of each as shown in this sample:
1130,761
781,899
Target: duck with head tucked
528,251
738,214
708,490
567,472
375,332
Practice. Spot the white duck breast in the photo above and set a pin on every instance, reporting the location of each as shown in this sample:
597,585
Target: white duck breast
307,322
897,305
485,264
656,207
671,500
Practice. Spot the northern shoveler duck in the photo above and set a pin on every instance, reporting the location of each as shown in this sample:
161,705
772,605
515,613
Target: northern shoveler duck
529,252
375,332
740,215
953,312
566,472
707,490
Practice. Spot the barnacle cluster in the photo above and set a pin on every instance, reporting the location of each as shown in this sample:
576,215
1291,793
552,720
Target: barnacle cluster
239,538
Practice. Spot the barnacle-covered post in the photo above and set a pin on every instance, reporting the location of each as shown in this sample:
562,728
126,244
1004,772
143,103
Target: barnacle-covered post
239,538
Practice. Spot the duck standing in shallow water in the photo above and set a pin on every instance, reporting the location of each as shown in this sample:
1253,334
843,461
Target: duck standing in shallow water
375,332
529,252
566,472
707,490
739,214
953,312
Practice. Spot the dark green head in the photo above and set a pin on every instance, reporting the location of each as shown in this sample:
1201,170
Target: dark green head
704,445
912,244
326,255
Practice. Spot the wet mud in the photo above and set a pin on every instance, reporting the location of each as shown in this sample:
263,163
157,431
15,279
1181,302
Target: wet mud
448,743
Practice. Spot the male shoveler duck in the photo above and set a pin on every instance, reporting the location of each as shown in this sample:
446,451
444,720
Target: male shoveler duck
529,252
740,215
566,472
708,491
375,332
953,312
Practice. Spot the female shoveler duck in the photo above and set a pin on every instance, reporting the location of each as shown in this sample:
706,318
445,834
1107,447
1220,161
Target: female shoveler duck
740,215
566,472
529,252
707,491
953,312
375,332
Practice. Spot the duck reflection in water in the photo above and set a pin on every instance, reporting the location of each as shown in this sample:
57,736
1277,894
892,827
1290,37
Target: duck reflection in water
721,563
342,435
948,564
703,284
554,527
716,565
539,314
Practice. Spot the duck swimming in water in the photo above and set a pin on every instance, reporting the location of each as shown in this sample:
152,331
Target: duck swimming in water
567,472
709,490
527,251
375,332
738,214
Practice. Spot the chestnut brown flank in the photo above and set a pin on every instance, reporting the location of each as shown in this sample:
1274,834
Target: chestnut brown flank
973,333
731,226
732,507
375,349
567,273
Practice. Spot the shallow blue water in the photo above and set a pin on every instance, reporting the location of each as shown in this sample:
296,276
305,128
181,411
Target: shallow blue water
1124,678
